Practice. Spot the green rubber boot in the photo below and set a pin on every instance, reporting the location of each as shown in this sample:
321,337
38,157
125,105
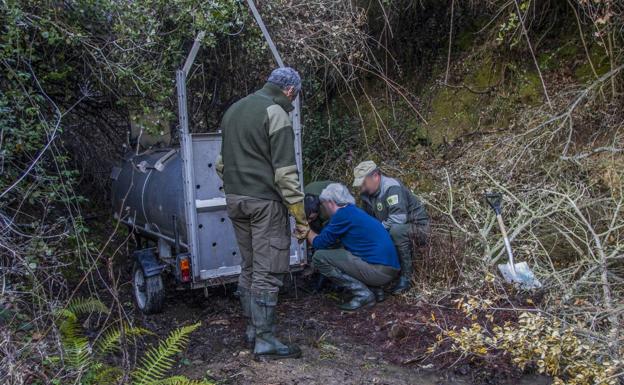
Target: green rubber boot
263,315
362,295
250,332
405,279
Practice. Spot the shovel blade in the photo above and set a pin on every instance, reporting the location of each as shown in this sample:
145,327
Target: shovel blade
523,275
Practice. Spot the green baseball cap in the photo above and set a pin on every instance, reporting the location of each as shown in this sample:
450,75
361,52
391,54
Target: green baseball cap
362,170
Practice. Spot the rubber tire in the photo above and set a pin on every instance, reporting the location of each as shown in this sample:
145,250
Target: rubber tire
154,292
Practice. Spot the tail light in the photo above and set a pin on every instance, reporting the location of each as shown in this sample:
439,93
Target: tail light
184,266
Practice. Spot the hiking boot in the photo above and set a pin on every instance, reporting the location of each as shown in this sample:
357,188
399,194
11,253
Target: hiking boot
250,332
267,346
405,280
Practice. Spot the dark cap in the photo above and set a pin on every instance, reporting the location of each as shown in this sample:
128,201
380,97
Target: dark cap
311,204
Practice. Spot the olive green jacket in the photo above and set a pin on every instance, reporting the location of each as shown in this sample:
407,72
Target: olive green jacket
258,148
394,203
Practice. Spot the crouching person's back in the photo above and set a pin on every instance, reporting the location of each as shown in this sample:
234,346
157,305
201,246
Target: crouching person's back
367,259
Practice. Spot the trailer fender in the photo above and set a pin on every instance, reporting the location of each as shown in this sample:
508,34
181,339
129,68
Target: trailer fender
148,261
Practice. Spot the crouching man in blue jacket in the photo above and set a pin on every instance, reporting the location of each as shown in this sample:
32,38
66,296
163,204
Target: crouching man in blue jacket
367,259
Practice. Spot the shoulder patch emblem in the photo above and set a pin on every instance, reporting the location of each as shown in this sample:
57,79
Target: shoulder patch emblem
379,206
392,200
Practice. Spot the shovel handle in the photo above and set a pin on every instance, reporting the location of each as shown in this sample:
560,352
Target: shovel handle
512,265
494,199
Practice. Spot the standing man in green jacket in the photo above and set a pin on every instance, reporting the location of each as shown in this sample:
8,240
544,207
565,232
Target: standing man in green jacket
400,212
261,184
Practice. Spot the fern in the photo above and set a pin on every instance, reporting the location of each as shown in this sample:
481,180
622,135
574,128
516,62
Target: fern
79,356
109,342
76,347
107,375
181,380
158,359
80,306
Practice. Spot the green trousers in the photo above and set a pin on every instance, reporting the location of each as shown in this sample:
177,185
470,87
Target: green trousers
263,234
372,275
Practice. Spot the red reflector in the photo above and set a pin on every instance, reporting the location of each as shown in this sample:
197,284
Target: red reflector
185,270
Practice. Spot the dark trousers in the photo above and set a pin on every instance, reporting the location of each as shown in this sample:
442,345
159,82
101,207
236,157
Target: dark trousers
263,235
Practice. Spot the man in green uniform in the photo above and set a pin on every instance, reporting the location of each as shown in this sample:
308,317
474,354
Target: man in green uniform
261,184
398,209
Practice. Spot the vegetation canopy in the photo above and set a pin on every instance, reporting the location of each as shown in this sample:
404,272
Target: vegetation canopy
452,97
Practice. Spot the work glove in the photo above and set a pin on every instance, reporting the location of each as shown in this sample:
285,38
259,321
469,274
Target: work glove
301,223
301,232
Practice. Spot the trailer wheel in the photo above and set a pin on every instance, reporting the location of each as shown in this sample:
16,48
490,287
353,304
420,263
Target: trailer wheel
149,292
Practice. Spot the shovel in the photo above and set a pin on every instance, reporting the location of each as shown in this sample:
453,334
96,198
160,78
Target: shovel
519,273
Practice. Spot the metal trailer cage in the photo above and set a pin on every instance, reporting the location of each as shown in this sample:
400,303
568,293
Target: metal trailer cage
175,197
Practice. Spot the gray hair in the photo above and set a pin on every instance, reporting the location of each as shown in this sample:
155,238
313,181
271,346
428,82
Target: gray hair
285,77
338,193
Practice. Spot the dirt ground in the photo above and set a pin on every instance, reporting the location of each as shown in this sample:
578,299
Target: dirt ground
384,344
